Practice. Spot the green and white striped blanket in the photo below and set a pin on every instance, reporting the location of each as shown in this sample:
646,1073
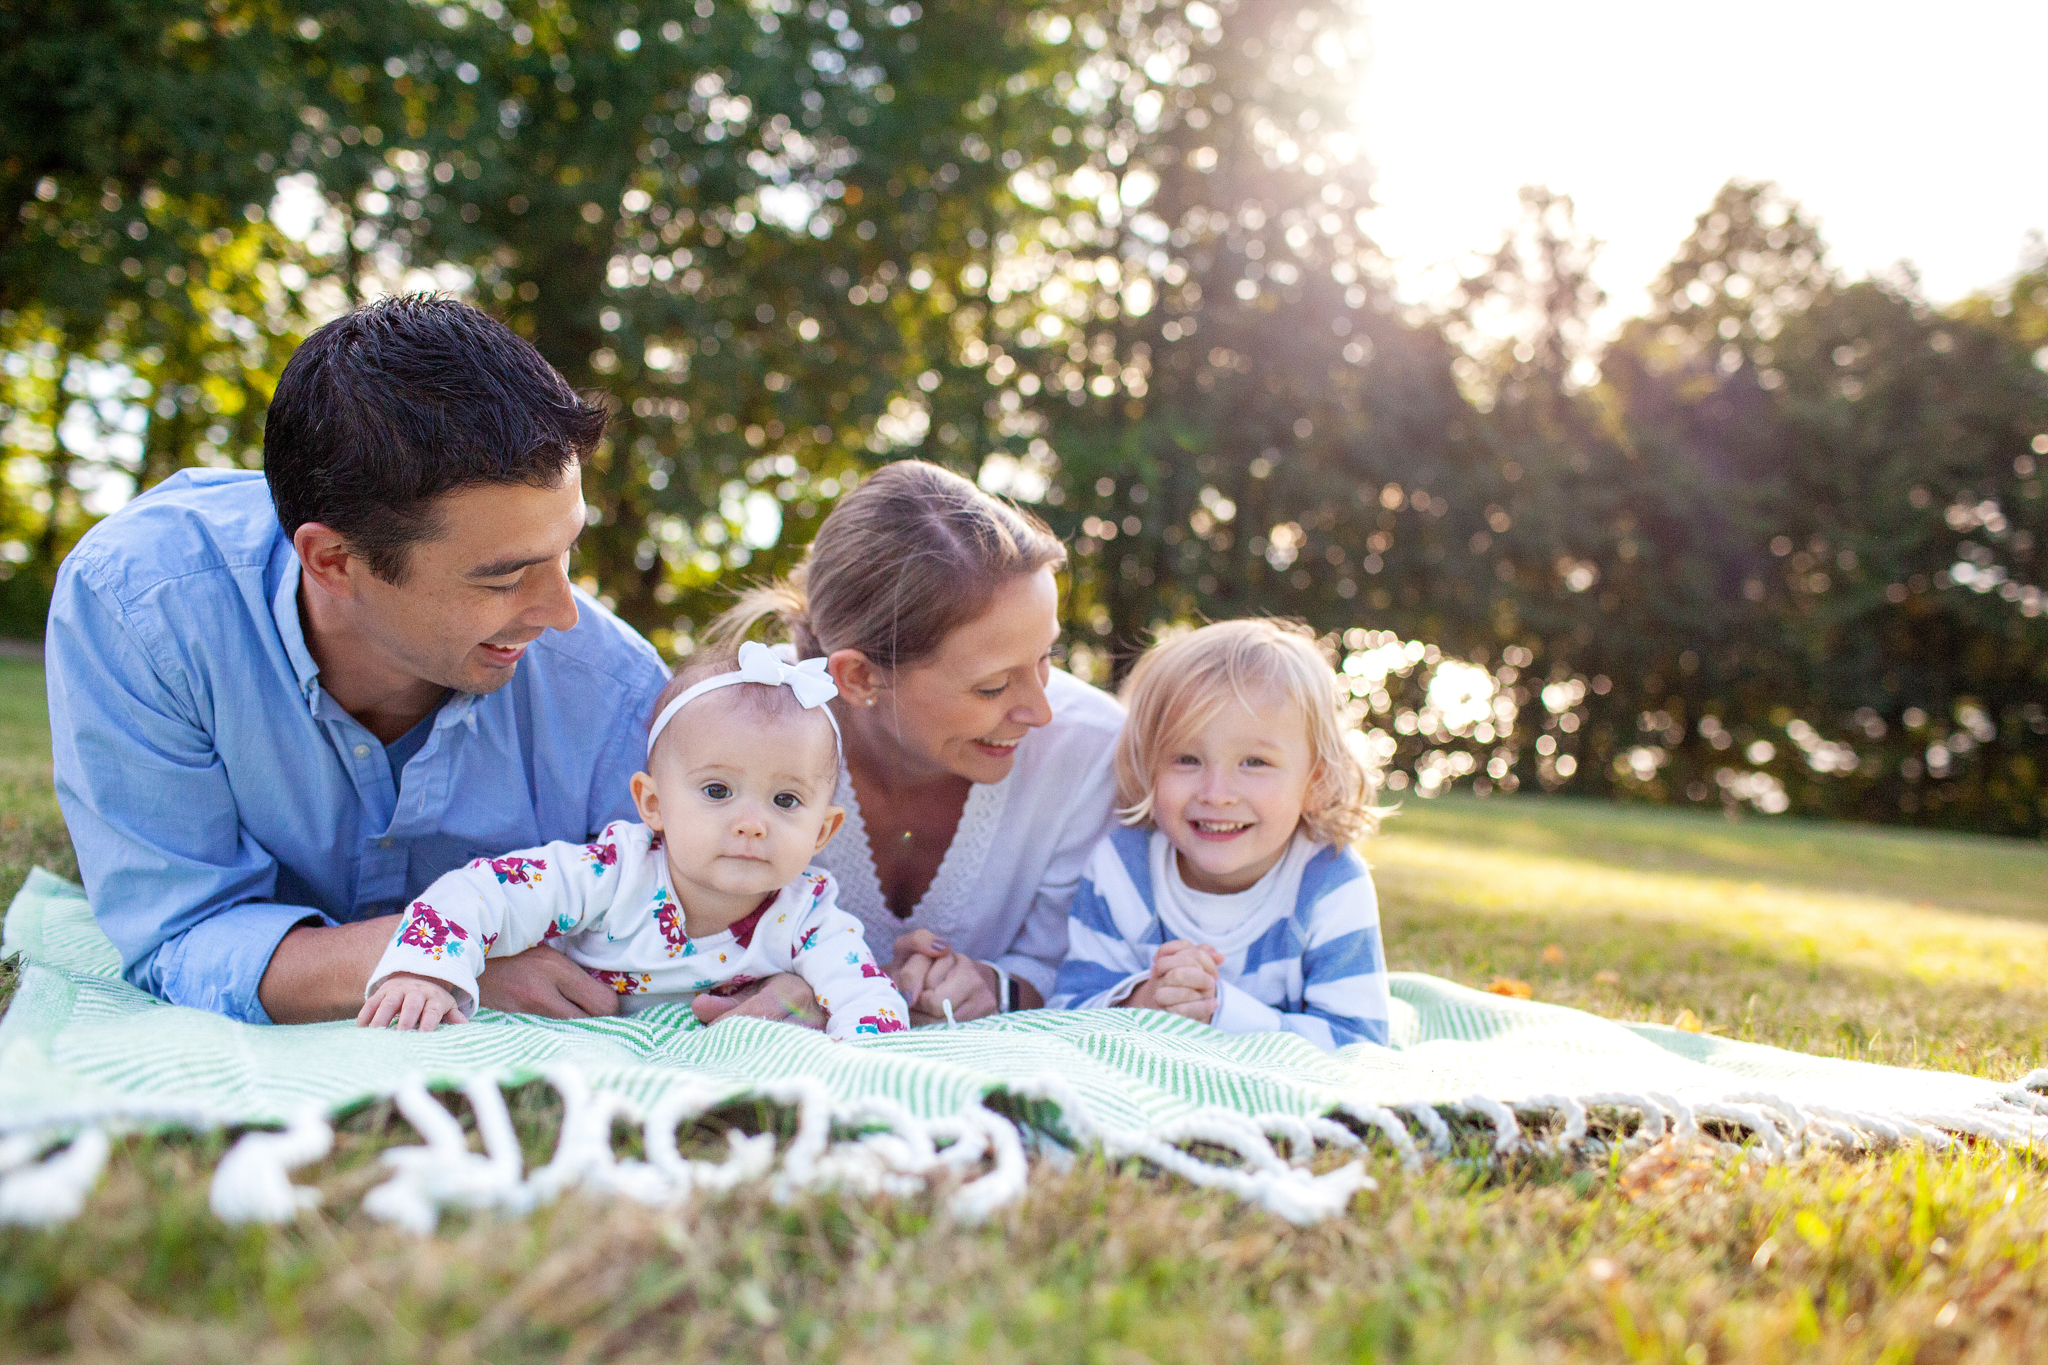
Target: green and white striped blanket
82,1054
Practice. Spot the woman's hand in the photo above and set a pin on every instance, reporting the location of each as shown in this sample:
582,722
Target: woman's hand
786,998
1183,982
929,973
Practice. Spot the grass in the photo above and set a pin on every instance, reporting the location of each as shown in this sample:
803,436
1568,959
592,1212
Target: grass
1861,943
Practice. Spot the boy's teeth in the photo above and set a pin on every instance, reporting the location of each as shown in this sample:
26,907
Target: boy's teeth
1221,826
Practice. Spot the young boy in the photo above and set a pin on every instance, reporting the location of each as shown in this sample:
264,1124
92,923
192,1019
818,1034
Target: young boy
1232,895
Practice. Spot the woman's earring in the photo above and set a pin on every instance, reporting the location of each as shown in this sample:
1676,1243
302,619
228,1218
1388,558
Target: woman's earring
871,701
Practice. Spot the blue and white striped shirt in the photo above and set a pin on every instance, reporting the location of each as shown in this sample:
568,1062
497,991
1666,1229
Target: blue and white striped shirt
1301,947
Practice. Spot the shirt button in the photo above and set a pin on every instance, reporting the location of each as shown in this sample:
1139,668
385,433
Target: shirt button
362,751
383,843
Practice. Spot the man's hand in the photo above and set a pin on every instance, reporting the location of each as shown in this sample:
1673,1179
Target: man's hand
408,1002
1183,982
785,997
543,981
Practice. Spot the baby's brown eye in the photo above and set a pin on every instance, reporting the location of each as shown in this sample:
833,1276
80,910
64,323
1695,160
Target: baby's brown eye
787,800
717,791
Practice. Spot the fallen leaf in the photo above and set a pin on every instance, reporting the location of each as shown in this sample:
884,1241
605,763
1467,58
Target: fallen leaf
1607,978
1553,954
1688,1021
1671,1165
1507,985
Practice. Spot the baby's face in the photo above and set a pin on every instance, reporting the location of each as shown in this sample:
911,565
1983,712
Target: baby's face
1230,797
743,800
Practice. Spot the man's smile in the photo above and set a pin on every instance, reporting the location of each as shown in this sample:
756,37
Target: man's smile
503,656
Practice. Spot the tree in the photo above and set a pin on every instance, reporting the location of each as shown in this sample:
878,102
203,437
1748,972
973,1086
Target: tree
135,163
736,220
1841,460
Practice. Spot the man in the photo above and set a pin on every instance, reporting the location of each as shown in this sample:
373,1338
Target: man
279,712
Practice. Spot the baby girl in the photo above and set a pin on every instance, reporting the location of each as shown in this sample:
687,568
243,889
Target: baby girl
1232,895
710,891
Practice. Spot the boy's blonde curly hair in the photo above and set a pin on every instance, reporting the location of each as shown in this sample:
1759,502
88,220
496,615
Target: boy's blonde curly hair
1179,685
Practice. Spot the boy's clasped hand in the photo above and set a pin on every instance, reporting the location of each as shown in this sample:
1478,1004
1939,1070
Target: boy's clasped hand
1183,981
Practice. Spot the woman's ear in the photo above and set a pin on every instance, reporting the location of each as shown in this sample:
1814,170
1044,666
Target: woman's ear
647,800
856,676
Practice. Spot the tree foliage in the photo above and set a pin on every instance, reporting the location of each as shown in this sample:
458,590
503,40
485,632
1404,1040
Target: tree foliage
1775,546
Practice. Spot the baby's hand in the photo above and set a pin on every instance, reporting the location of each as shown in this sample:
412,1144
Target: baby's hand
1183,981
406,1001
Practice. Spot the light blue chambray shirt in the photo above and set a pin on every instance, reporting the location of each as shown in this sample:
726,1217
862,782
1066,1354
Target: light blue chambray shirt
217,796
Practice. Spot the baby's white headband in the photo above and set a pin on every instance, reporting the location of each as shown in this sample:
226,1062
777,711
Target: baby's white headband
813,686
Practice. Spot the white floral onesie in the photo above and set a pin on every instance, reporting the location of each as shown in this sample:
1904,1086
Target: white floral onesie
609,907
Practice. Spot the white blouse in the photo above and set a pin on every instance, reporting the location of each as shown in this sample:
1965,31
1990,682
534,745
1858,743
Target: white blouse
1003,890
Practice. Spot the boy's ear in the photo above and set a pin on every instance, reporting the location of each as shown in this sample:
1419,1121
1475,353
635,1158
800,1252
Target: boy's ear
647,799
1316,796
835,816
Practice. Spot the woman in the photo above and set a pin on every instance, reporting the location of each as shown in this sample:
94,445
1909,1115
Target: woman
976,776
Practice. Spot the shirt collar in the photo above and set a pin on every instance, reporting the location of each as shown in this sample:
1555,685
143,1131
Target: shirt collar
284,607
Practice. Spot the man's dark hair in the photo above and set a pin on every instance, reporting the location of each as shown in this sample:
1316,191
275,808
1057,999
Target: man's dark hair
381,412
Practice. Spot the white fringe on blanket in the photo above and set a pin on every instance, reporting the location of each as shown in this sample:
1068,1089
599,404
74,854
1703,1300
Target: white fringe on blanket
886,1150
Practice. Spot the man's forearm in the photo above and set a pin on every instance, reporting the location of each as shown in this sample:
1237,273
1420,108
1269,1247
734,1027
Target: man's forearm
318,973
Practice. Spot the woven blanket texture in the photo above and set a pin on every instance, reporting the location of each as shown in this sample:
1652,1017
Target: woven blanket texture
83,1054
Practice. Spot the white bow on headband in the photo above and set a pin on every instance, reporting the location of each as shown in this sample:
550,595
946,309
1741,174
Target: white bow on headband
810,682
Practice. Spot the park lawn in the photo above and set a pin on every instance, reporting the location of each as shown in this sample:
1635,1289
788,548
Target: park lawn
1874,944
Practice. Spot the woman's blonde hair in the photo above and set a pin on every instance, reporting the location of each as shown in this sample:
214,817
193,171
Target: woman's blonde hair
1181,683
909,555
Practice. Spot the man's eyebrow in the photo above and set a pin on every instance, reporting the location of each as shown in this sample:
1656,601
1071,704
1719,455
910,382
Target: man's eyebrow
498,568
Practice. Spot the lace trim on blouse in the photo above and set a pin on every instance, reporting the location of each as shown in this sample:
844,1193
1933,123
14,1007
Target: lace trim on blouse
947,907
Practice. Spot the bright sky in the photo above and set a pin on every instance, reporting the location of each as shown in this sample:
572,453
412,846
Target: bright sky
1910,131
